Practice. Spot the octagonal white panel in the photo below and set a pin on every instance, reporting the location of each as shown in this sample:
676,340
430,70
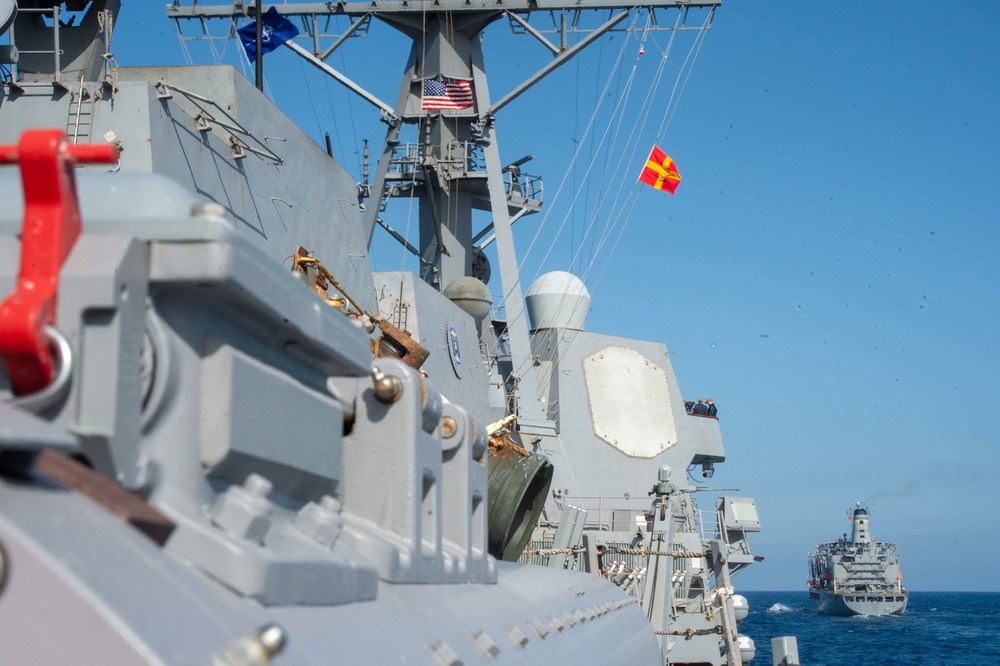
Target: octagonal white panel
629,402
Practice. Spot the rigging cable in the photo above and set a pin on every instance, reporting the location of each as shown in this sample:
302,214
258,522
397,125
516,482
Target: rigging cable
600,64
562,184
452,222
671,104
571,166
618,167
699,40
413,171
632,197
576,154
336,126
626,159
620,108
590,126
312,102
183,43
350,112
211,46
230,33
617,175
618,113
576,128
586,204
592,222
633,141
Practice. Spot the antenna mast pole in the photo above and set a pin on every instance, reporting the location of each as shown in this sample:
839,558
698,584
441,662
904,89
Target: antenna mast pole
259,22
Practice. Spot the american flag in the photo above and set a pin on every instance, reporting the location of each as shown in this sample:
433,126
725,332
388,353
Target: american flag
446,95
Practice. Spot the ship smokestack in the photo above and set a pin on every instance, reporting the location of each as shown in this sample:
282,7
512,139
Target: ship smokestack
861,532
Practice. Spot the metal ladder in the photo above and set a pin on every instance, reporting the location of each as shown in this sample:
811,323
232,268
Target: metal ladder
80,117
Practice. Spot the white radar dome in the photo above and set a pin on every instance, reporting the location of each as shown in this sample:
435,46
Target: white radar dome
471,295
557,300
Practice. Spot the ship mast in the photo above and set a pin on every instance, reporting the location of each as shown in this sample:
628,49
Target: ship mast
454,167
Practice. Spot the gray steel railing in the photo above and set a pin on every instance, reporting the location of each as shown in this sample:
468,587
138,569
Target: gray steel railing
56,49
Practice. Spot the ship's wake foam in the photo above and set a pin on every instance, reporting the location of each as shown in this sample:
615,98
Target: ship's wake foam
781,608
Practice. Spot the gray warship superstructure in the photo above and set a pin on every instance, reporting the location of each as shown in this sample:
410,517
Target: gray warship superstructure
226,438
859,576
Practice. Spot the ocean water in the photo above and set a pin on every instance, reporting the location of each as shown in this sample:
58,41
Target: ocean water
937,629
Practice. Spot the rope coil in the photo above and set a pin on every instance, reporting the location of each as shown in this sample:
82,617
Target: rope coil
644,551
690,633
555,551
618,549
505,442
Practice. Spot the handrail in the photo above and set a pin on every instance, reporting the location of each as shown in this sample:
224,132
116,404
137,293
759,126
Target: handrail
56,50
232,127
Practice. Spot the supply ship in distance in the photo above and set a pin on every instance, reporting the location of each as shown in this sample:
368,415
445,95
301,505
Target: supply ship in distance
857,577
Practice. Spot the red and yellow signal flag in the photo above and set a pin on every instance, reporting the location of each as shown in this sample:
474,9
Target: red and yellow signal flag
660,172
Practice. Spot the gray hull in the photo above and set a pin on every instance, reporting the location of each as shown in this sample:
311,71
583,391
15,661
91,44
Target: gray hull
874,603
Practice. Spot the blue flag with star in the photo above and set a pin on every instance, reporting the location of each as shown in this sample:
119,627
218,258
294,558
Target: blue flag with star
275,31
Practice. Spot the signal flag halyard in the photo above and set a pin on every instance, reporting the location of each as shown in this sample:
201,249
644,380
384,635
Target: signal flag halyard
660,172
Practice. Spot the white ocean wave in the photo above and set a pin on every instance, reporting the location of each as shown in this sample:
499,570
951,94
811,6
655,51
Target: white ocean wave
781,608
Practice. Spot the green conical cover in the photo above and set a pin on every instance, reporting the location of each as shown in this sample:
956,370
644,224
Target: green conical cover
517,486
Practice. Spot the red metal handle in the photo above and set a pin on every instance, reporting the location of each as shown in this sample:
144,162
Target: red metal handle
86,154
51,227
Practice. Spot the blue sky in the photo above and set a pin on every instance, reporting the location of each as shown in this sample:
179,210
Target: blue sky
828,270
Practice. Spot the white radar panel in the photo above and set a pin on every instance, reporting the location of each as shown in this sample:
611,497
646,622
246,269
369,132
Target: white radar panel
629,402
